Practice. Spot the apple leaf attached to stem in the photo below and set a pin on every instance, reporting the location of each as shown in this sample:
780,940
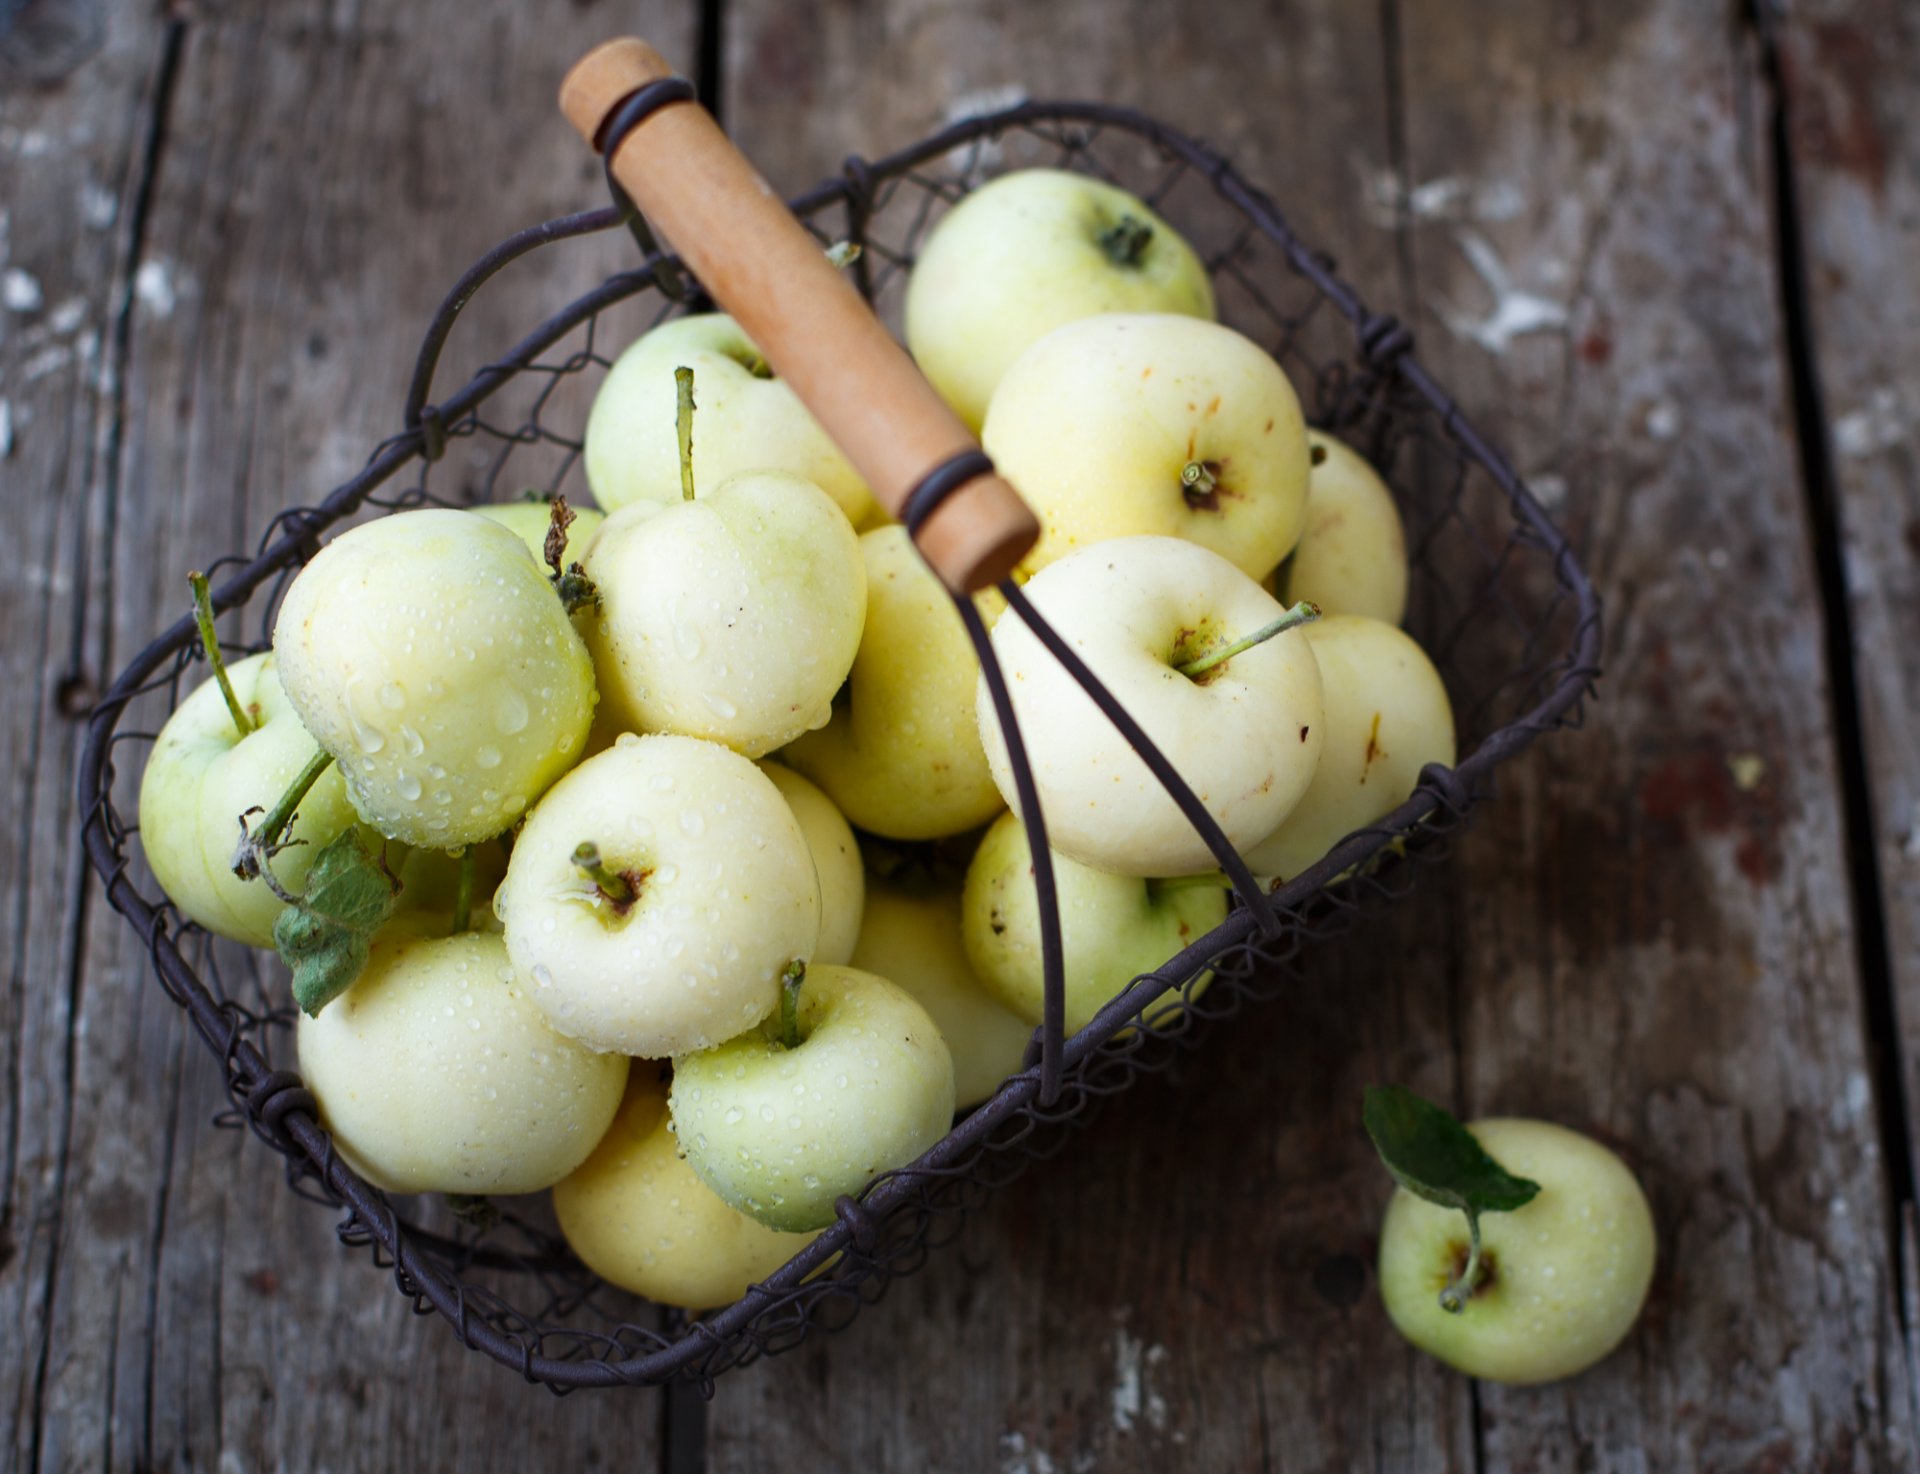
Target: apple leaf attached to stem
1433,1156
325,934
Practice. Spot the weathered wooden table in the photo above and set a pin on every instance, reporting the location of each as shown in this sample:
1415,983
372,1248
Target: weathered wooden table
1666,251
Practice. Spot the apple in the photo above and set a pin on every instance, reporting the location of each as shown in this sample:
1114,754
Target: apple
435,1072
430,883
204,773
1113,928
901,756
429,654
836,861
912,936
1561,1280
1128,424
639,1217
749,421
784,1119
1387,717
1244,733
1352,557
531,516
1027,253
733,617
673,934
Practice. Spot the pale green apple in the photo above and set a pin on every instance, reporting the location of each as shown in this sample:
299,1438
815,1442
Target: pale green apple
1352,557
1562,1279
639,1217
911,936
1113,928
1387,717
1027,253
714,895
748,421
1129,424
430,655
1245,735
732,617
902,755
430,883
780,1132
435,1072
202,775
530,518
836,860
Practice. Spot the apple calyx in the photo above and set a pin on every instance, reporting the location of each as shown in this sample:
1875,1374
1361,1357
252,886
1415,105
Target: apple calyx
569,581
1433,1156
790,983
259,844
1126,240
244,724
620,888
683,427
1305,612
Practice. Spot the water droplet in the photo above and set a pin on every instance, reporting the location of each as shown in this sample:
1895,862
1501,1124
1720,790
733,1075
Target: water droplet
392,697
693,823
720,706
734,1115
510,712
661,782
366,738
407,786
542,975
487,757
686,640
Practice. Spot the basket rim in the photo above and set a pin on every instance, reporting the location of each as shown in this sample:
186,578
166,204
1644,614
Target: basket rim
251,1074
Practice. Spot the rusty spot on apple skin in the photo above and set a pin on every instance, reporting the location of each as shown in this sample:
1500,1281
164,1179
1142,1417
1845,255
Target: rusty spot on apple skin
1214,407
1303,733
1373,749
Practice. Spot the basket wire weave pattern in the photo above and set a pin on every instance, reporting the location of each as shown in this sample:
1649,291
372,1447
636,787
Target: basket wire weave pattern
1498,600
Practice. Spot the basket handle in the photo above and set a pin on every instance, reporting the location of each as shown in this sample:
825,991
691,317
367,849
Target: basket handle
757,261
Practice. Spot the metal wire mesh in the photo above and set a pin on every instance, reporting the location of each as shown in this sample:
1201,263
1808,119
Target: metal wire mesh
1500,602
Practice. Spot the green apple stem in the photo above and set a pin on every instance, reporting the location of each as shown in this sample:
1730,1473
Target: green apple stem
210,643
259,844
790,982
1125,241
463,893
1305,612
1198,479
683,424
1454,1298
842,254
613,887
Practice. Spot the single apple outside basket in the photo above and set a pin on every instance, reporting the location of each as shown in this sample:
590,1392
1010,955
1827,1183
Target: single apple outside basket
1497,598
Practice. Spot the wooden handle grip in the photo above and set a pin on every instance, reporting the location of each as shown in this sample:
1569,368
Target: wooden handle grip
699,192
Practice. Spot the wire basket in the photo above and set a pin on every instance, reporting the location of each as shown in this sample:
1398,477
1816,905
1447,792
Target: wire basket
1498,600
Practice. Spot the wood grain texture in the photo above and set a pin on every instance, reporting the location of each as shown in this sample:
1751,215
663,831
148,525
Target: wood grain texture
1855,128
1647,938
321,173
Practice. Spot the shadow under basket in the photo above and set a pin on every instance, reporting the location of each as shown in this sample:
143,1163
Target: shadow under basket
1497,599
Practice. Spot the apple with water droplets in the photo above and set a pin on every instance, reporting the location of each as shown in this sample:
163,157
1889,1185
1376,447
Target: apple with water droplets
204,773
901,755
852,1081
733,616
1560,1281
640,1218
1113,928
1030,252
655,896
1152,424
1146,614
749,421
436,1072
429,653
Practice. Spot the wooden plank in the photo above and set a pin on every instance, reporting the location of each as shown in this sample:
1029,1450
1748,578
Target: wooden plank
1856,145
323,174
1188,1286
1657,936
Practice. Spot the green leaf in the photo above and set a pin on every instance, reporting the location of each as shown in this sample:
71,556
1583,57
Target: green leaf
326,934
1430,1153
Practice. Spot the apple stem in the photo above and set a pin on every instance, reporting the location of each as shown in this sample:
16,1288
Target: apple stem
1125,241
614,887
463,893
210,643
258,845
683,424
1305,612
1198,478
842,254
790,982
1454,1298
571,583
